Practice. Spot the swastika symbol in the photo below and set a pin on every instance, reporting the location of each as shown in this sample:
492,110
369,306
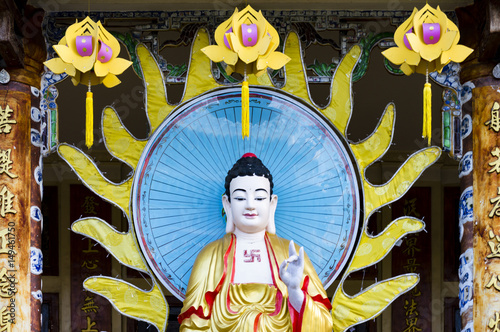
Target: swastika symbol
250,257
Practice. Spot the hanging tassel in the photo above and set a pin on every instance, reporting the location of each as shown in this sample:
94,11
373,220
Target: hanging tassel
245,109
427,126
427,123
89,119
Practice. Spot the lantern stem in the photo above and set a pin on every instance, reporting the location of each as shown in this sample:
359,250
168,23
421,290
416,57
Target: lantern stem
89,119
427,120
245,106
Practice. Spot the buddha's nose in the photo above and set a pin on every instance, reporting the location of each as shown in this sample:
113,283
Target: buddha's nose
250,204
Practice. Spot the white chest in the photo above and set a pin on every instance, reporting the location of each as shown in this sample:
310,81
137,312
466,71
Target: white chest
251,262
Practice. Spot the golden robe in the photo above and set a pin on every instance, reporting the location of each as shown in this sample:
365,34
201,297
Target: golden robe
214,303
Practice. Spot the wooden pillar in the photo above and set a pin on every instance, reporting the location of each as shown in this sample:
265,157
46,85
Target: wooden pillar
480,29
20,167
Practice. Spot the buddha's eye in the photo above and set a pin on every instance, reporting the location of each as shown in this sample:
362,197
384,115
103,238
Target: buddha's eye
260,198
239,198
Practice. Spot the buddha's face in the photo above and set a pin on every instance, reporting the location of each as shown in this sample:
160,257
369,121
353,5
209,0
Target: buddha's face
251,206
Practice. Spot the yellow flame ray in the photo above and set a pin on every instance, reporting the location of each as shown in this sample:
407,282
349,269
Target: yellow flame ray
199,78
87,171
349,311
295,74
369,150
119,141
371,249
157,107
340,108
131,301
377,196
117,243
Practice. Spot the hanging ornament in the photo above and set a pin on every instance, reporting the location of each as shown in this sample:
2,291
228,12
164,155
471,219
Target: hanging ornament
426,42
88,53
246,42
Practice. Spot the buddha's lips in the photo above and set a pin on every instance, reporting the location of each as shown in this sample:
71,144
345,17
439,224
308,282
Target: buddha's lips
250,215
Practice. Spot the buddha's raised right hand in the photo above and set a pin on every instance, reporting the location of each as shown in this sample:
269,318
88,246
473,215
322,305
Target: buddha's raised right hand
291,275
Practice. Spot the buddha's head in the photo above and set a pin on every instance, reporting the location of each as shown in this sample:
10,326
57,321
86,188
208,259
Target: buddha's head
249,201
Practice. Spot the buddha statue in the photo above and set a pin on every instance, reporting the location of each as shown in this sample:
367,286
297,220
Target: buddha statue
252,280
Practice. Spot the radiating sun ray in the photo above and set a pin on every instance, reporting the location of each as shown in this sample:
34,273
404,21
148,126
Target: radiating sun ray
117,243
150,305
88,172
119,142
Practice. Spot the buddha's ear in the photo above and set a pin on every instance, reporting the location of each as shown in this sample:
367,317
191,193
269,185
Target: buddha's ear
271,226
229,214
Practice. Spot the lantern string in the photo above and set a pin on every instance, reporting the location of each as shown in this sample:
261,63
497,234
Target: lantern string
245,106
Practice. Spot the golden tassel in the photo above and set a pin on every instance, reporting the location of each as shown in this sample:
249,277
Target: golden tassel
245,110
89,119
427,125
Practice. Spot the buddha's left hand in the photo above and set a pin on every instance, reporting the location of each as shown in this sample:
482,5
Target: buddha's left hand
291,275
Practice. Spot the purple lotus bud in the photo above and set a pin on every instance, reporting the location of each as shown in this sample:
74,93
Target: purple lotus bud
105,53
84,45
249,34
431,32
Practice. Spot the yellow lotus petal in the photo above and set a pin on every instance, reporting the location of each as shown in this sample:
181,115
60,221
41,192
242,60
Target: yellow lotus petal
84,64
274,34
262,45
398,55
275,60
109,40
58,66
250,54
64,53
84,28
408,70
261,24
119,65
229,69
222,29
101,69
457,53
75,81
249,16
403,29
429,15
62,41
67,54
451,26
230,48
435,51
245,54
110,81
431,52
218,53
114,66
273,45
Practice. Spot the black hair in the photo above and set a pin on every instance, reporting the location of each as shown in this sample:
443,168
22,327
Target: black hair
248,166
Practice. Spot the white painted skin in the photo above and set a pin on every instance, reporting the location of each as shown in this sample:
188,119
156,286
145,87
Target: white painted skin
251,211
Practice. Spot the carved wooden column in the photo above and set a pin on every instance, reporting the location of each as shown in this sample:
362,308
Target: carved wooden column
480,29
20,167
